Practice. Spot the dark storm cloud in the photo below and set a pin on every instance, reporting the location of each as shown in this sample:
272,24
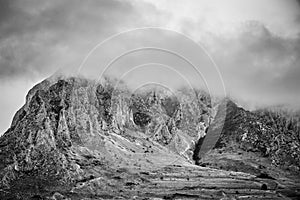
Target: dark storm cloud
19,17
298,17
4,10
36,34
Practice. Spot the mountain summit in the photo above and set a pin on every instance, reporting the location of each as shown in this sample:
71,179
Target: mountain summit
78,139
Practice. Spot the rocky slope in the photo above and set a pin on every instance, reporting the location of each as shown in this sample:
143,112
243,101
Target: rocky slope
258,143
267,133
78,139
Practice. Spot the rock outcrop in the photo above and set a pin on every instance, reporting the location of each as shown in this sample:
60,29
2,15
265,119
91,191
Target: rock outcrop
78,139
264,132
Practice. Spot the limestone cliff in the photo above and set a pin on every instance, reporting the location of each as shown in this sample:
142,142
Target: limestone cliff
78,139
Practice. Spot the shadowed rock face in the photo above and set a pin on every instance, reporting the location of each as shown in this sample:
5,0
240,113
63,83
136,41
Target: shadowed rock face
77,139
272,135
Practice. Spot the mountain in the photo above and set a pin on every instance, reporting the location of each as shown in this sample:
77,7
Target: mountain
272,134
78,139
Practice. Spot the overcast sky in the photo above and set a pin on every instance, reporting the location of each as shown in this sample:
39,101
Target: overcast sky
254,43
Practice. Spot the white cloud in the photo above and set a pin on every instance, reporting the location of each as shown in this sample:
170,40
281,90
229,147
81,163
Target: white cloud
218,16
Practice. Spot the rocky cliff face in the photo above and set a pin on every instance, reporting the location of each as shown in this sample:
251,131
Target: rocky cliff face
272,135
79,139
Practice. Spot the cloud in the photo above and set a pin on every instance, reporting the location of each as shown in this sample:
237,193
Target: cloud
218,16
258,65
255,44
38,37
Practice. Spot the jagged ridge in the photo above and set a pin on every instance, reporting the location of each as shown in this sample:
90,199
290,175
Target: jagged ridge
76,137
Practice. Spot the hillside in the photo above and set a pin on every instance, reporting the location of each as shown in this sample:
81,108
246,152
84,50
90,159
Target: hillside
78,139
